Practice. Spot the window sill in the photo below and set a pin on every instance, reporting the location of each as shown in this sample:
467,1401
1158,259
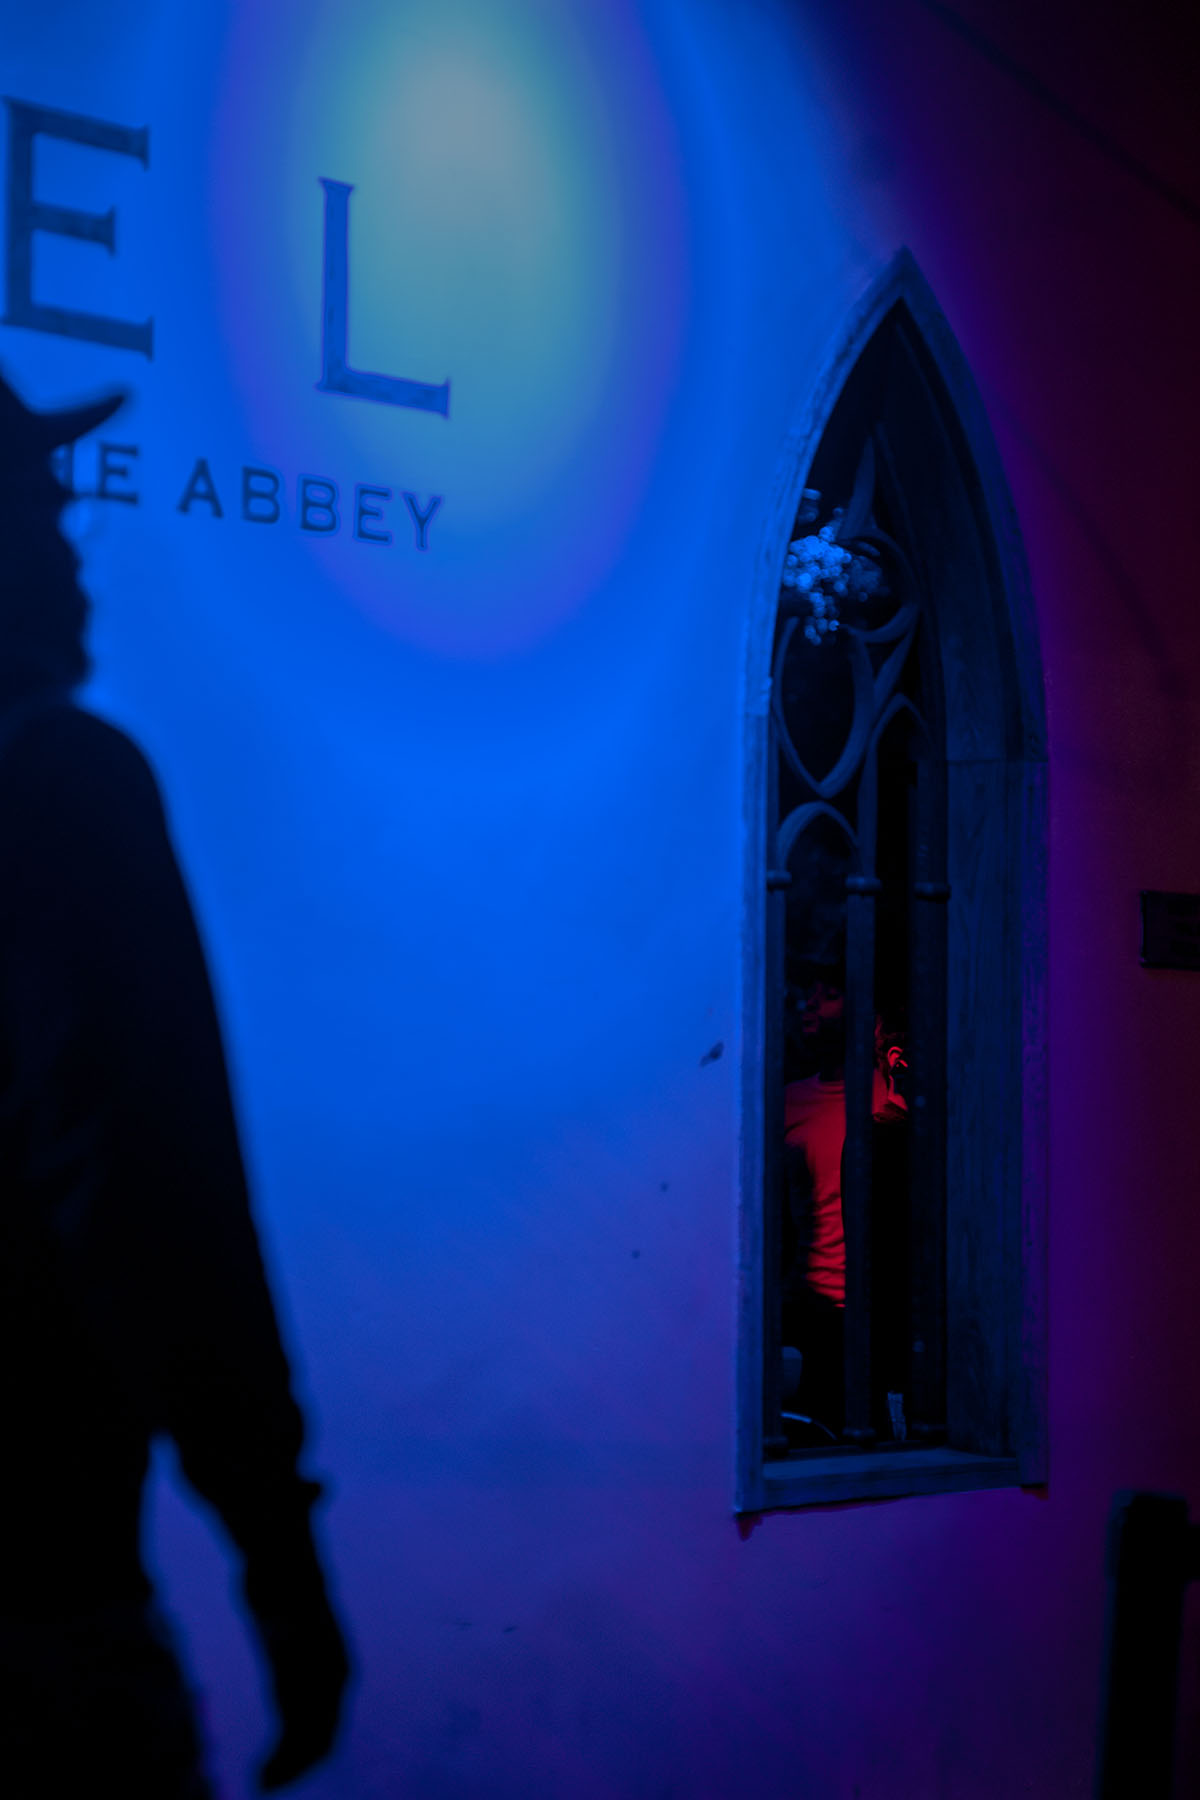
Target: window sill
816,1478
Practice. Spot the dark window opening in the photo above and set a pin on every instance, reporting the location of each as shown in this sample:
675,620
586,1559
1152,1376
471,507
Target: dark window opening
858,810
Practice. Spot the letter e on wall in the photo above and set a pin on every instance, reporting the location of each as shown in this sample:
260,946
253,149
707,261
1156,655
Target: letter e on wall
26,215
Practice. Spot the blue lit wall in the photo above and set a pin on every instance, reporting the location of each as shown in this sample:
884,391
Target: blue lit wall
463,825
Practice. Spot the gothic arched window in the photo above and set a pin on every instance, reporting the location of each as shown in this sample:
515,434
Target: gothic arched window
894,1146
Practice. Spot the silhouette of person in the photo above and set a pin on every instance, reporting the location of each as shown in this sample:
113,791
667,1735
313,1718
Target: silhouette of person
814,1287
133,1300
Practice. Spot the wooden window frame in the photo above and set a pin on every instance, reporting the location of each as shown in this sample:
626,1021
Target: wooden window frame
996,1117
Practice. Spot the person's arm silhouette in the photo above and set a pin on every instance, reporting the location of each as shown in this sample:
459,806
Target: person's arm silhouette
160,1219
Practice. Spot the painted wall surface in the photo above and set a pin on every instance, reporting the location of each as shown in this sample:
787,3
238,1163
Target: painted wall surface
463,823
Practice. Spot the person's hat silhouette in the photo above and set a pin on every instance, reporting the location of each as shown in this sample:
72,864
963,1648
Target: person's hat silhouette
25,434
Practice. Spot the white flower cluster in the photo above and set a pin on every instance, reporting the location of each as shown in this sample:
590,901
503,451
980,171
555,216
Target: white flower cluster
828,574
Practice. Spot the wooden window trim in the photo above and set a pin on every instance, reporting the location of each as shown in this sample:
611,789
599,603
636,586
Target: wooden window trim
997,1157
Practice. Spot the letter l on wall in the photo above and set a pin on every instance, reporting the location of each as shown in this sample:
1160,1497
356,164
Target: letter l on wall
337,377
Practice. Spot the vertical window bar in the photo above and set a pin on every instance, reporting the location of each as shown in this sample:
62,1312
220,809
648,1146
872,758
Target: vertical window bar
775,1443
856,1158
927,1065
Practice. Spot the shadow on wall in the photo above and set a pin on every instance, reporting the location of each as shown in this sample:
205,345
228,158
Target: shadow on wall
134,1298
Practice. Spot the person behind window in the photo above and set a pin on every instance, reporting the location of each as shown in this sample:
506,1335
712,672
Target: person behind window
133,1300
814,1284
